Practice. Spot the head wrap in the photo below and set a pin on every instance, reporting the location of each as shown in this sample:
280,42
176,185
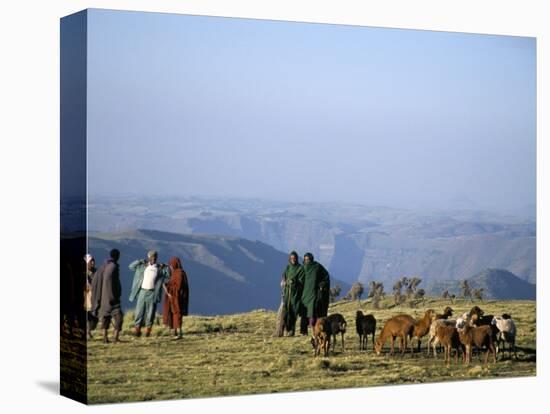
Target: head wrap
309,255
175,262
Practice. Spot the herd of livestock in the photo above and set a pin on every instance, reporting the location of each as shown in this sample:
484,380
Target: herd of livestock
471,330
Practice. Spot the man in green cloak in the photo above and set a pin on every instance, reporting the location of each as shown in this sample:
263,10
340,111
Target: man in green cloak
315,295
293,283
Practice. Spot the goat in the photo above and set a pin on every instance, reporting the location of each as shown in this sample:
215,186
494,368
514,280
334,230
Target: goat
321,336
401,326
480,336
449,338
365,325
337,325
506,334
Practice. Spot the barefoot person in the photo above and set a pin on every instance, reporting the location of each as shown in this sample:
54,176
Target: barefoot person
176,300
293,283
91,319
106,291
315,296
149,277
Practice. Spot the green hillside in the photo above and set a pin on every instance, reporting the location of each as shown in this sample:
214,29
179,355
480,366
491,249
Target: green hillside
237,354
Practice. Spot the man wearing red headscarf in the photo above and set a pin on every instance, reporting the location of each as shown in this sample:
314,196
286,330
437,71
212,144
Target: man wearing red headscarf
176,299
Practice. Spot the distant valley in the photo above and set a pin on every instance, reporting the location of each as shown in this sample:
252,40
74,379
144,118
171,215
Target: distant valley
354,242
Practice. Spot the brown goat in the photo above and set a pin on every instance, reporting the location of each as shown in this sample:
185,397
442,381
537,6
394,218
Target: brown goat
449,338
422,326
365,325
337,325
400,326
480,336
321,336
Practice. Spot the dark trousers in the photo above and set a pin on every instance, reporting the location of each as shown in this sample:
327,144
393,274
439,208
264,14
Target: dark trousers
290,320
304,321
116,315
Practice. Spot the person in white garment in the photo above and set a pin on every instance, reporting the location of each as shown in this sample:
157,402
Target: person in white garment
149,278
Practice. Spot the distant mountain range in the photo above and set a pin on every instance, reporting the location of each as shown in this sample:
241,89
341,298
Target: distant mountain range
226,274
355,242
496,284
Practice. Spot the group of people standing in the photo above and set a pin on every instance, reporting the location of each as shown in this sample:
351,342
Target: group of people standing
151,281
306,292
305,287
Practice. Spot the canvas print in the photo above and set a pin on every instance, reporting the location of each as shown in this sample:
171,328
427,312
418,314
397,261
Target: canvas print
253,206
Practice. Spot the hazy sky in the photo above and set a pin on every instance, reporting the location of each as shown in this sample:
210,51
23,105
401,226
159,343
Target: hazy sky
293,111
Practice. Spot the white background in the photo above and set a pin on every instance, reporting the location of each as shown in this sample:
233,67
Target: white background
29,216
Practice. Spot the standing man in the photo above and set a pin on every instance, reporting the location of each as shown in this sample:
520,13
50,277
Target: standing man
91,320
315,296
106,291
149,278
293,278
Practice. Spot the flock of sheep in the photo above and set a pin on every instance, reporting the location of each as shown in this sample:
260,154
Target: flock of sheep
472,329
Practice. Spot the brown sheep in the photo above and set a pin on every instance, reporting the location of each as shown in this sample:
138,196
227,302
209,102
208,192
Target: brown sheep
422,326
401,326
433,341
447,313
337,325
365,325
480,336
480,319
321,336
476,310
449,338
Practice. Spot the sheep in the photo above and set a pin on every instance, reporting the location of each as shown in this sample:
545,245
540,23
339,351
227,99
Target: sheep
479,336
458,323
401,326
449,338
462,320
422,326
337,325
484,320
447,313
365,325
321,336
506,333
481,319
433,341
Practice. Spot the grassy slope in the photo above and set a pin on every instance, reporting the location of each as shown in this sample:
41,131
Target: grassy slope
237,354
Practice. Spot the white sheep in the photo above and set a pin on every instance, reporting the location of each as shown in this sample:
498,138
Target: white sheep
462,320
506,333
